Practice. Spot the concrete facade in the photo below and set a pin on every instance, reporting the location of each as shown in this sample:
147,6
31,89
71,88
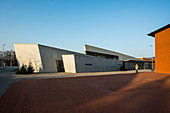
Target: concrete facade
129,62
85,63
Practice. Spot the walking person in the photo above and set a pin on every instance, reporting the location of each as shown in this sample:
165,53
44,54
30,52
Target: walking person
136,68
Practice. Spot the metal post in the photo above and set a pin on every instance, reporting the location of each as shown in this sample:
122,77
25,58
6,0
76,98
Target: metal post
152,56
11,61
3,55
11,58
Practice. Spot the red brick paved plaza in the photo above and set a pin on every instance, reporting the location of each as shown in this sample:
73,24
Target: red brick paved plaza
121,93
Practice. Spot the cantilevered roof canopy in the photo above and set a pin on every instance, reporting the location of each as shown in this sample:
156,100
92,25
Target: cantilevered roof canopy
159,30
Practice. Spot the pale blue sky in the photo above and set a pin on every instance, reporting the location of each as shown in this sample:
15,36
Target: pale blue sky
119,25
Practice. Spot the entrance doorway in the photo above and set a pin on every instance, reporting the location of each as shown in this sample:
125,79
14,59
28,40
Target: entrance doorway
60,66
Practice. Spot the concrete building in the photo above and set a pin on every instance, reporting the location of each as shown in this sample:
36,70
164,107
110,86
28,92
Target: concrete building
43,58
129,62
49,59
162,49
148,62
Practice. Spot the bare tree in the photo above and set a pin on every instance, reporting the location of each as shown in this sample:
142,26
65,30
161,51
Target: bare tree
9,58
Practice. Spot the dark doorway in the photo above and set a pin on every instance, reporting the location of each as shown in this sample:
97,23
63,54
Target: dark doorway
60,66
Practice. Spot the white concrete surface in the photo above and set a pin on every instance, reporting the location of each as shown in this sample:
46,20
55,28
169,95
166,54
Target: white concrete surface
69,63
26,53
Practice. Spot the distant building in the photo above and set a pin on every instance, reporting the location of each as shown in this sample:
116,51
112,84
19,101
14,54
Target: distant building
162,49
49,59
146,59
148,63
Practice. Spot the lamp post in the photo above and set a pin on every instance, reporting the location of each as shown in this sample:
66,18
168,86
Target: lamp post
11,59
4,55
152,56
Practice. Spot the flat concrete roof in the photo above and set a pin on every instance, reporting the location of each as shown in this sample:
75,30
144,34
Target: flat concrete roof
159,30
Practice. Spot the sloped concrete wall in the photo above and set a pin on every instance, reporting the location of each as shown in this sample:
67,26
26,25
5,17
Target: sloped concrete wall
104,51
26,53
69,63
49,55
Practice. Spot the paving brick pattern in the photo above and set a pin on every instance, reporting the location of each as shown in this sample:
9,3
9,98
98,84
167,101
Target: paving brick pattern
119,93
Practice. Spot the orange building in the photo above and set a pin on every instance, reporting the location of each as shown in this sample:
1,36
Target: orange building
146,59
162,49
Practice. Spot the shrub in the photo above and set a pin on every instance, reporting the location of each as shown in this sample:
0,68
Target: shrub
122,68
22,70
25,70
30,69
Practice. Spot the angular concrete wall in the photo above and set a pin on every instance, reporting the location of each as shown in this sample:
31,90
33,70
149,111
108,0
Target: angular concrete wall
49,57
26,53
85,63
104,51
69,63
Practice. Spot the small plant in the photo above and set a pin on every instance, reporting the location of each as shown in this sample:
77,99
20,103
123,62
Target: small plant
30,69
24,70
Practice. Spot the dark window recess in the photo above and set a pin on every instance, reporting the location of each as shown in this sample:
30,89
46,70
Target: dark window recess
60,66
88,64
101,55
